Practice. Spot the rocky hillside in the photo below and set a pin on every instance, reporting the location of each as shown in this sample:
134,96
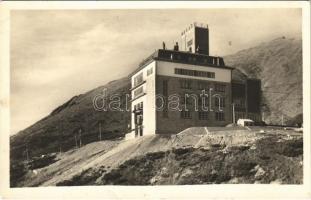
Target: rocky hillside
194,156
278,64
60,130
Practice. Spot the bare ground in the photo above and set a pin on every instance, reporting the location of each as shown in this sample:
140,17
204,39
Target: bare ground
194,156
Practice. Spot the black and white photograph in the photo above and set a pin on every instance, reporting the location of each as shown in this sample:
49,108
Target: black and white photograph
196,96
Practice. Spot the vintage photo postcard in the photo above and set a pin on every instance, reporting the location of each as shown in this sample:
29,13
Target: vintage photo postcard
133,100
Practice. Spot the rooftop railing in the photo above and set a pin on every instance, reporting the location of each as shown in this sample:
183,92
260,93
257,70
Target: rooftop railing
185,57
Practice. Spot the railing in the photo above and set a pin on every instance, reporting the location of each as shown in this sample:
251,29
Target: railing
185,57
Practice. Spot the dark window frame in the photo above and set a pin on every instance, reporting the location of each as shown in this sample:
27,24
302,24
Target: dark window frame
222,102
195,73
185,84
138,79
185,114
220,87
138,91
203,115
219,116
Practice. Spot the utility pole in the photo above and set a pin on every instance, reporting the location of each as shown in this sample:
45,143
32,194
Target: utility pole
233,112
100,131
76,141
282,120
80,137
27,153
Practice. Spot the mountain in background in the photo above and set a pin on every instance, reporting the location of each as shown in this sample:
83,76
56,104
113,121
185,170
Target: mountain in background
59,131
277,63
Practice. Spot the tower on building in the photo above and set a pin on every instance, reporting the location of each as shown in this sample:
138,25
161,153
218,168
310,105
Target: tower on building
195,39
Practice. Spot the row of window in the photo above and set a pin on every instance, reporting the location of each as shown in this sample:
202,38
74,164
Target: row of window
138,91
140,78
239,103
189,100
190,58
197,73
220,88
203,115
201,85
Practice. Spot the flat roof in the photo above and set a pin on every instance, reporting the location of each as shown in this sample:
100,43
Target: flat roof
185,58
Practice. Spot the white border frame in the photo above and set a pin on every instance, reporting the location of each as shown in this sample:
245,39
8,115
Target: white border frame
257,191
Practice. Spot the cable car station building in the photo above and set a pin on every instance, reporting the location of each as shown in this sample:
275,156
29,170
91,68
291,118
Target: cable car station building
184,74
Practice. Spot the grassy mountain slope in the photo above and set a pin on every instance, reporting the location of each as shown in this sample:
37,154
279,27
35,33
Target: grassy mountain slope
57,131
278,64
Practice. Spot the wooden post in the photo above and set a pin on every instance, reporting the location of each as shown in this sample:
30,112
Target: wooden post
80,137
76,141
27,154
246,100
282,120
100,131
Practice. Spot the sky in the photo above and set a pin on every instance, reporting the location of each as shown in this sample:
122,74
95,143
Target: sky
56,54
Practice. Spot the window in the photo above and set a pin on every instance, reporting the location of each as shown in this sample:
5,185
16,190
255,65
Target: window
203,115
138,92
200,101
185,114
188,99
188,72
220,88
219,116
185,84
189,43
203,85
220,102
138,79
139,106
239,103
150,71
165,86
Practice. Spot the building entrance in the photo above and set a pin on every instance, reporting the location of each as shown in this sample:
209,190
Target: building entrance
138,116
